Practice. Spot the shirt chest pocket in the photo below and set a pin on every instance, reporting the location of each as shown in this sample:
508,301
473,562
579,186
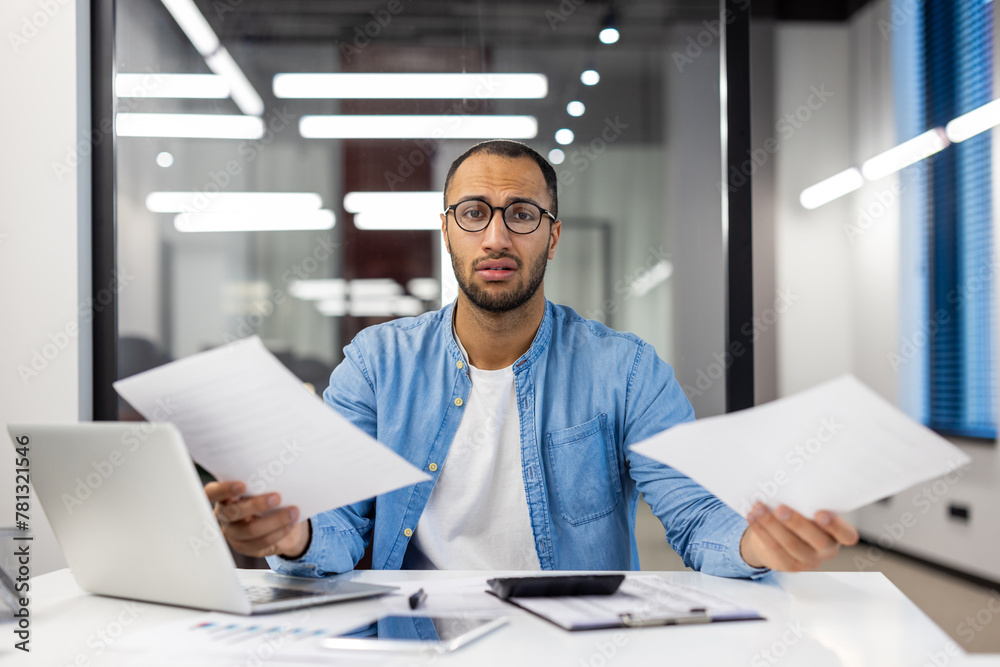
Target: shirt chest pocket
584,471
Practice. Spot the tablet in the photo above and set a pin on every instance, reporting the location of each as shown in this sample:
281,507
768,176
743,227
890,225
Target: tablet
435,634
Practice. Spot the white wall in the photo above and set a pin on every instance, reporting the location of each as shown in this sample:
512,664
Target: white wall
44,234
812,254
845,269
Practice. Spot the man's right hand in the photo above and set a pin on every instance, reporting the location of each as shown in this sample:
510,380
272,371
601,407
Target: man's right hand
256,525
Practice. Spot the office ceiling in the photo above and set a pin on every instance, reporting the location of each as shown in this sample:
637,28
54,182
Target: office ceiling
454,23
489,23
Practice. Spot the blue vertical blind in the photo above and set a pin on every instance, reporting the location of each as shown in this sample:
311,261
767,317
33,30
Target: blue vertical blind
957,55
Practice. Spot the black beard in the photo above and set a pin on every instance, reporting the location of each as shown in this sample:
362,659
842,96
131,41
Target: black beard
506,302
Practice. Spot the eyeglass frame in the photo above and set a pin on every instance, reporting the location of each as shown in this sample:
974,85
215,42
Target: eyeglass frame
503,214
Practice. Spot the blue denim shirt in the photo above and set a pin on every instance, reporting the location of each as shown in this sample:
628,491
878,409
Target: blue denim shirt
585,393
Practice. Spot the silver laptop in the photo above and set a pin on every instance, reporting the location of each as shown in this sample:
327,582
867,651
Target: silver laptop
133,521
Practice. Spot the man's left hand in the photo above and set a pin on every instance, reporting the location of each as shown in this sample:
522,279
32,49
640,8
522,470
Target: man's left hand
785,540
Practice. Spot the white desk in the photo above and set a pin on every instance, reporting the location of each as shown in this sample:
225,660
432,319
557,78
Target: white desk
814,619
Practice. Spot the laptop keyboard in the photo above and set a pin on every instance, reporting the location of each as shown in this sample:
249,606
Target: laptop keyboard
265,594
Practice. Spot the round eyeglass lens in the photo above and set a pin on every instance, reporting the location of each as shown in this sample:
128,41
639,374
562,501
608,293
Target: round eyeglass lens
522,217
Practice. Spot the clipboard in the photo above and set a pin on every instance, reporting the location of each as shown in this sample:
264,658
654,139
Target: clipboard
643,601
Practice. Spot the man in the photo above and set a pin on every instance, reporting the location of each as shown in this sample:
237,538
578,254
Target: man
523,413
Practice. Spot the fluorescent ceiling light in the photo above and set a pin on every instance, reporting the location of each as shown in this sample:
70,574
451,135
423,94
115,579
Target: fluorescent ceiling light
188,125
332,307
905,154
186,86
318,289
385,307
206,42
243,92
659,273
576,108
418,127
254,221
328,289
410,86
394,210
427,289
221,202
590,77
388,307
827,190
564,136
194,25
976,121
372,288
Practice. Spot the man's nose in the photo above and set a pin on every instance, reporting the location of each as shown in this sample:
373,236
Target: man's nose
496,235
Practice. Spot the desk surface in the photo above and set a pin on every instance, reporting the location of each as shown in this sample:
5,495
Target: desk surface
815,619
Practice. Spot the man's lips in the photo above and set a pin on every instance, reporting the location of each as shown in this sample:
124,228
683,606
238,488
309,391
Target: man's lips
496,269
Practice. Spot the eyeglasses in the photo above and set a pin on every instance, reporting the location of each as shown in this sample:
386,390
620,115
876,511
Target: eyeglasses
521,217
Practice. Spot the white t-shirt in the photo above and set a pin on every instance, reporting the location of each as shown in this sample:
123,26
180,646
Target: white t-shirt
477,515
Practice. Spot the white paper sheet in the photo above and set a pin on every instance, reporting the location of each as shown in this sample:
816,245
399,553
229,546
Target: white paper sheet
642,597
245,417
838,446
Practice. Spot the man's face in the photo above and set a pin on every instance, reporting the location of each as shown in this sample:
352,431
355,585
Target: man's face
496,269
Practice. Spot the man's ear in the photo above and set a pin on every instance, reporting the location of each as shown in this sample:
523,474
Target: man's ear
444,232
554,231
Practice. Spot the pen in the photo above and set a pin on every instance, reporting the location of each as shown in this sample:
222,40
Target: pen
417,598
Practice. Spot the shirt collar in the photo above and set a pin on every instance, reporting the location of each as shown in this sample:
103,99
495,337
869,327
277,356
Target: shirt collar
526,360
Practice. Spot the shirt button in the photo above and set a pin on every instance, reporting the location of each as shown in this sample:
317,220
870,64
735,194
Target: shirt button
458,402
432,467
460,364
408,532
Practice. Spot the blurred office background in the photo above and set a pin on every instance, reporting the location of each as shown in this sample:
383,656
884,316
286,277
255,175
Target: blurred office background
304,259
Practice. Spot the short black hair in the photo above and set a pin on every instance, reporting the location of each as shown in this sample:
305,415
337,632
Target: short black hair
513,150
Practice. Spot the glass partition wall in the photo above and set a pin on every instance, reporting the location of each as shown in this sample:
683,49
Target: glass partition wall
279,168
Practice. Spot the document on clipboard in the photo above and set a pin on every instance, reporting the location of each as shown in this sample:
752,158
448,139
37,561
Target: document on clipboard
641,601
